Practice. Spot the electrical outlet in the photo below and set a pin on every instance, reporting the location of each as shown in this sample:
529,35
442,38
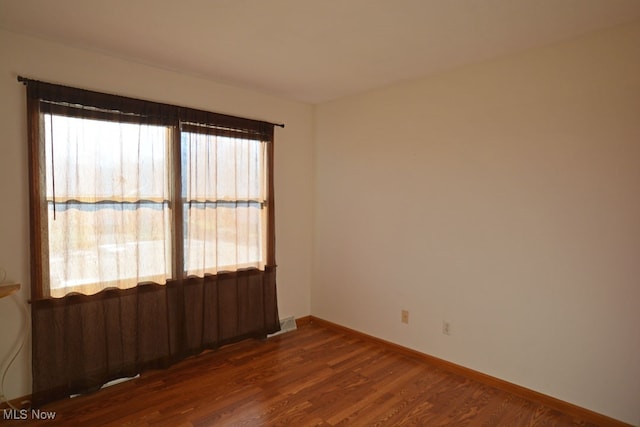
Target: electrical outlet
404,316
446,327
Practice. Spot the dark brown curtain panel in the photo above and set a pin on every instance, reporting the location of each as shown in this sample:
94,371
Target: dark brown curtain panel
152,232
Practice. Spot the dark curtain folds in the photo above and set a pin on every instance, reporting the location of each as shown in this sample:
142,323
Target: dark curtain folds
80,342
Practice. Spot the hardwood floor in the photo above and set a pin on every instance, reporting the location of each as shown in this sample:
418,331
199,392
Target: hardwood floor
313,376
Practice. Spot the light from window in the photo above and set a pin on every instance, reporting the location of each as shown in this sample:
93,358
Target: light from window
108,204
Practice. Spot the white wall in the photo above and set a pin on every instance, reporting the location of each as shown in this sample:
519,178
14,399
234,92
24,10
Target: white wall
58,64
503,197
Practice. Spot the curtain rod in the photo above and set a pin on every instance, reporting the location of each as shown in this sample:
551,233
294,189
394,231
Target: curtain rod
25,81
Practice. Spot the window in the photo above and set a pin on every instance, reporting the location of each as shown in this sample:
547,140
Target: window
108,211
132,191
151,235
225,198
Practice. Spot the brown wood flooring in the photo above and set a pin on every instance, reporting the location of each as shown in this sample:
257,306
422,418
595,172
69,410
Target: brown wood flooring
313,376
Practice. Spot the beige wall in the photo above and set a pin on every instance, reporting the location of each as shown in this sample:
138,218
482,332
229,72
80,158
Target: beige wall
55,63
501,197
504,198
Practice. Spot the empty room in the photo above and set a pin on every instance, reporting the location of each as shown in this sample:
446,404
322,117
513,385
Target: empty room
320,212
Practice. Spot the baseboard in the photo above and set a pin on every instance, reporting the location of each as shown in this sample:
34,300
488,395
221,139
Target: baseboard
534,396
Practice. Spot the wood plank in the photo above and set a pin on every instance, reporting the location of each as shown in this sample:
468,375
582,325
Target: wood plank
528,394
317,375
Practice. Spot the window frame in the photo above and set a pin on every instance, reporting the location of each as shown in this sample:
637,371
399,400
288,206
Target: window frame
45,98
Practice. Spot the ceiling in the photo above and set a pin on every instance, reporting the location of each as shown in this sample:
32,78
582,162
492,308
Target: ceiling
311,50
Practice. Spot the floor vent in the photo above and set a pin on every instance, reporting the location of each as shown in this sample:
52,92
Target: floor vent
287,324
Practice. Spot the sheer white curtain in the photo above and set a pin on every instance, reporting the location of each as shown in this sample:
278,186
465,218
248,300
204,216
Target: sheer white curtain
107,191
225,202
